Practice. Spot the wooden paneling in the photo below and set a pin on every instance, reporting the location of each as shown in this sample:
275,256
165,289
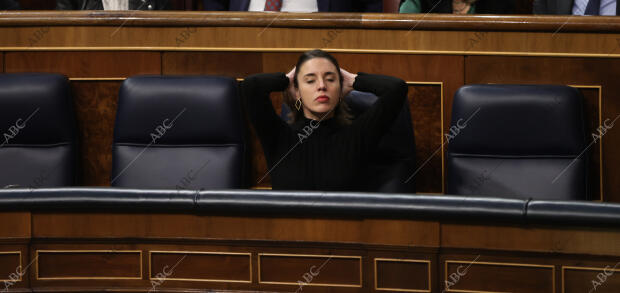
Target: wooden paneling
15,263
83,225
468,276
425,106
15,267
10,266
325,270
88,264
231,64
14,225
592,116
396,32
223,252
85,64
596,242
196,266
567,71
95,105
603,279
406,275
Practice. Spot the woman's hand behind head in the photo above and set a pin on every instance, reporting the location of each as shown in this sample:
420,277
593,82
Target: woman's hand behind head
290,90
291,75
347,82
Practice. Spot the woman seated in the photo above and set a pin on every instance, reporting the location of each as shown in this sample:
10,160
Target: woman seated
322,149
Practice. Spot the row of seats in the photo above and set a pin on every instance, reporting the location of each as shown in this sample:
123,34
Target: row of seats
188,132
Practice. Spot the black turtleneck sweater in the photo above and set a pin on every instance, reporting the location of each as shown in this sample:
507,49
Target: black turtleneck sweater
330,157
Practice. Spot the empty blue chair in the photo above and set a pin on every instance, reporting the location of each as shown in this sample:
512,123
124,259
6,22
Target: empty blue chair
38,147
518,141
181,132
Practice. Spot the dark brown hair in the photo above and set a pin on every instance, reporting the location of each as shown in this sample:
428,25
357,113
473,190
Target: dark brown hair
342,114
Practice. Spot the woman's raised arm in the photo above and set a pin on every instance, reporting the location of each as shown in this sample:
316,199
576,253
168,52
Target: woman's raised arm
392,93
255,90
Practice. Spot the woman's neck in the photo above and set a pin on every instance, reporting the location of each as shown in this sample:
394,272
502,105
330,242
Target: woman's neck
319,116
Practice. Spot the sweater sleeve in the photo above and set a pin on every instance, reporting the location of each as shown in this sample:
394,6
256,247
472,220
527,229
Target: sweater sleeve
255,90
391,93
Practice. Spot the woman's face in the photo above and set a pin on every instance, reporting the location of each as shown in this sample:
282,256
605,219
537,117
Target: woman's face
319,88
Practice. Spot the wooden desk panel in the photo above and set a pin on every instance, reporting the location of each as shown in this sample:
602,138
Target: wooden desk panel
86,251
531,239
166,226
15,262
15,266
81,264
482,273
14,226
603,278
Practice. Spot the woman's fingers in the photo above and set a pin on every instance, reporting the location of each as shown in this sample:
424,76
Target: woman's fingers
291,87
291,73
347,81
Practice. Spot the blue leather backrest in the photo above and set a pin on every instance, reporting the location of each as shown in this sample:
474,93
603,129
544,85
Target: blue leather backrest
518,141
180,132
38,144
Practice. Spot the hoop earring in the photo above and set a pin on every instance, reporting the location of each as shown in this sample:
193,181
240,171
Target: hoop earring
298,104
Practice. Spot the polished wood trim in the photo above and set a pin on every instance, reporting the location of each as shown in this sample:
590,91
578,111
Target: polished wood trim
428,262
564,268
201,252
538,23
446,262
359,258
85,251
600,122
21,267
